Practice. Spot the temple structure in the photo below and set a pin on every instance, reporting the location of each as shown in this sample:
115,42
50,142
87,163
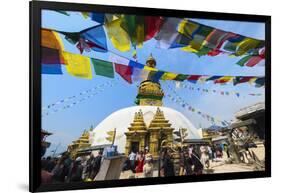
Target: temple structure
148,124
80,143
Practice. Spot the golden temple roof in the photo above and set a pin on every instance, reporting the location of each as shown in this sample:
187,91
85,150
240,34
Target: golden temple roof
138,122
159,121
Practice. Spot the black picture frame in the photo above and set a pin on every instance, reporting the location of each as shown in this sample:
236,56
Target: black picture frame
35,94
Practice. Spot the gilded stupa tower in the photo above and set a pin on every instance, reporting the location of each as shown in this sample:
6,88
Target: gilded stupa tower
150,92
159,129
82,142
136,135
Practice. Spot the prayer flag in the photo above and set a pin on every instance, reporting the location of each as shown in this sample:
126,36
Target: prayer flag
103,68
136,64
51,69
118,59
96,38
77,65
215,39
260,82
181,77
243,60
168,76
118,36
152,25
98,17
134,26
248,44
188,28
50,56
254,60
124,71
51,39
223,79
168,33
241,79
193,78
213,78
155,75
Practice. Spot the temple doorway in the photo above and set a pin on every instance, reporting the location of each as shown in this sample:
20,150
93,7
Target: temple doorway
135,147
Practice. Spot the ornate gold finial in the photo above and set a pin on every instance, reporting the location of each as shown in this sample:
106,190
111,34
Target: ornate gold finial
151,62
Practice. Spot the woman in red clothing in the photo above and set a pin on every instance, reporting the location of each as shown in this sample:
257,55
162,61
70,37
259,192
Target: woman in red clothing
140,162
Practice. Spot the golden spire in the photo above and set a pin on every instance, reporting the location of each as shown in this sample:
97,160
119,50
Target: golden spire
151,62
159,121
138,122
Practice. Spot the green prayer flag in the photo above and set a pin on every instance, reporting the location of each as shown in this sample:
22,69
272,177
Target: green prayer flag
103,68
181,77
243,60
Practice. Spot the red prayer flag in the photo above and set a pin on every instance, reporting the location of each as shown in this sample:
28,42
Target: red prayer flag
124,71
193,77
51,56
214,52
253,61
152,26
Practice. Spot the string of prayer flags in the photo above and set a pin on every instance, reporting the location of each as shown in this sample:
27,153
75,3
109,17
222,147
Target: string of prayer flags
77,65
103,68
51,39
75,100
118,36
216,91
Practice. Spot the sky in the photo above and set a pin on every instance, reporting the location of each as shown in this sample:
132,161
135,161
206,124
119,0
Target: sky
67,125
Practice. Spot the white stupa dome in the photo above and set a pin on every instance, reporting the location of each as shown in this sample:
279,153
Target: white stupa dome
122,119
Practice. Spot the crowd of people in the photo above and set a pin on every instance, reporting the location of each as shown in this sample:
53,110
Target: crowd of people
192,160
140,162
63,168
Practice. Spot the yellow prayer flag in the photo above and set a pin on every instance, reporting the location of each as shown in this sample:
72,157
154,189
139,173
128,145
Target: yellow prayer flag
51,39
189,48
147,68
118,36
246,45
77,65
168,76
187,27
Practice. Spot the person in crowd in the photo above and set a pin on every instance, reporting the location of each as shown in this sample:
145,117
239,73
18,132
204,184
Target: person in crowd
196,162
148,167
132,158
210,152
50,164
226,149
75,172
188,162
89,167
181,162
204,158
97,165
168,165
139,162
147,154
46,176
60,171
